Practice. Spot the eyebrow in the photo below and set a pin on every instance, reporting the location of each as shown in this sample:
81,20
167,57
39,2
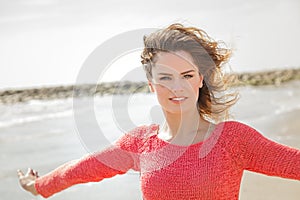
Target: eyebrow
192,70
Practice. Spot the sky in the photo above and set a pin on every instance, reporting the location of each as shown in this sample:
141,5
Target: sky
46,42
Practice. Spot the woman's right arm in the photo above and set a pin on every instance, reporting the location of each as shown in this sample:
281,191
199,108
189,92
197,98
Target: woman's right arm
91,168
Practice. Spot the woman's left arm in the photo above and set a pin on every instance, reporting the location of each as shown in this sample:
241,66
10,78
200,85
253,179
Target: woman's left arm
262,155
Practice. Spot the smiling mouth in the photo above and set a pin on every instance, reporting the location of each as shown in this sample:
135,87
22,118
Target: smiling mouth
178,99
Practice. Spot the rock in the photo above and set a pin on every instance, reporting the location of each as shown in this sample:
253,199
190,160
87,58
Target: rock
275,77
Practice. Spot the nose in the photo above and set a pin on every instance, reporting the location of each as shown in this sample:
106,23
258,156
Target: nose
177,86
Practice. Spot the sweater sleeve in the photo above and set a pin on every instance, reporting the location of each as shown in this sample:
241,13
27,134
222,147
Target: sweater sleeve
107,163
259,154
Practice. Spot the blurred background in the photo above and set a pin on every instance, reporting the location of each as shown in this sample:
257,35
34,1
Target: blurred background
45,43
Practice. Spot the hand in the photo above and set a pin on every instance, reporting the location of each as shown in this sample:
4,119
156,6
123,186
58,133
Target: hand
27,181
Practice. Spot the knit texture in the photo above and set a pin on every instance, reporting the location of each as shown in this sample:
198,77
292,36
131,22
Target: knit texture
208,170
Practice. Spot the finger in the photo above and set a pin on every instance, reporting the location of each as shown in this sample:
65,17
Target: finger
27,173
20,173
30,171
35,173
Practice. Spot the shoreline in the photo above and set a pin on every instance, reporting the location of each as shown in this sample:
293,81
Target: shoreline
11,96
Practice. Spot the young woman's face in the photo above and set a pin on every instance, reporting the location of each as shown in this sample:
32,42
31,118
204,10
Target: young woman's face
176,81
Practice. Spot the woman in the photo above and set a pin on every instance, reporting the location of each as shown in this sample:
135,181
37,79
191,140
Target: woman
197,153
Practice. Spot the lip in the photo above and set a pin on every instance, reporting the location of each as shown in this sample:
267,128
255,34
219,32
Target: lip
178,99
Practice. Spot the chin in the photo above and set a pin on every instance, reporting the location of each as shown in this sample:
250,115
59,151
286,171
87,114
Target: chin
181,110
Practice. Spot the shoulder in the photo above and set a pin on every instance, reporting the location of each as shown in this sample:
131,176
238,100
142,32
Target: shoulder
236,127
142,132
138,136
235,130
239,135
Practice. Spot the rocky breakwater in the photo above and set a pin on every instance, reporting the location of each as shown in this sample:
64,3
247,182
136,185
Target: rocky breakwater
60,92
275,77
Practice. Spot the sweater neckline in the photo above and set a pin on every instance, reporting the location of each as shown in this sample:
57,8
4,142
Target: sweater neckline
156,127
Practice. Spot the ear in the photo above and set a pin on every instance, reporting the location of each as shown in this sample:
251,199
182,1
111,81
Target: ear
201,80
151,87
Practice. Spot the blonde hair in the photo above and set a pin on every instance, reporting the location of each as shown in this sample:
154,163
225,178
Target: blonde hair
214,98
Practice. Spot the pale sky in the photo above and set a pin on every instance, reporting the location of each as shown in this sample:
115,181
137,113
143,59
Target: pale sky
45,42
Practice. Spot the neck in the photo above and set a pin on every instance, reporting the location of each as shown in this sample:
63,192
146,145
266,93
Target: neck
184,127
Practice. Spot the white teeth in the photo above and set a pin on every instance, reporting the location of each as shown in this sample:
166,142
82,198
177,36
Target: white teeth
178,98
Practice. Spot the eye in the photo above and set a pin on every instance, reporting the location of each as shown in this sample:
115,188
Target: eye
188,76
165,78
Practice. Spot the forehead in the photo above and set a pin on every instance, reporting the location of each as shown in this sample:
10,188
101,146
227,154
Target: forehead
179,61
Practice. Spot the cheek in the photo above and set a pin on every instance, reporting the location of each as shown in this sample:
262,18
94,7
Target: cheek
196,93
194,87
161,91
162,94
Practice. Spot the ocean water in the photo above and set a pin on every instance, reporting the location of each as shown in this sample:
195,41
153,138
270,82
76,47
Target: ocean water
45,134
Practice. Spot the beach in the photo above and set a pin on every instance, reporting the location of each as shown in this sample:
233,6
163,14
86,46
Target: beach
42,134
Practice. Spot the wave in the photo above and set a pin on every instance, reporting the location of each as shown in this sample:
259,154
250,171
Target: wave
35,118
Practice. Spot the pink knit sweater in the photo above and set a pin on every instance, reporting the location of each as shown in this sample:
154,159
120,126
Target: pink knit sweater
209,170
